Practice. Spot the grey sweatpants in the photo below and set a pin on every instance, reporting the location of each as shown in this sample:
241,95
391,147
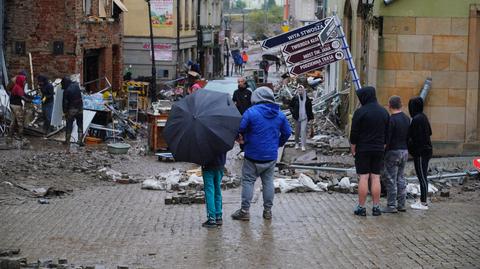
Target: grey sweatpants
395,161
301,131
250,172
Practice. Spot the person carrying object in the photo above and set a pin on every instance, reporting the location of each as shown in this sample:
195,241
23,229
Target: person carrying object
73,110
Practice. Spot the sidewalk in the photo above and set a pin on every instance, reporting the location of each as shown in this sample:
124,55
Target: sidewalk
124,225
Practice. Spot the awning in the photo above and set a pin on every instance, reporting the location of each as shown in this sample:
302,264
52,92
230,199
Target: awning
120,5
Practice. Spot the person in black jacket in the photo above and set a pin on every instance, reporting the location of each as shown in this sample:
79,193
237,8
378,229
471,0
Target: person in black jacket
73,109
47,100
396,156
212,179
301,109
420,147
242,96
368,137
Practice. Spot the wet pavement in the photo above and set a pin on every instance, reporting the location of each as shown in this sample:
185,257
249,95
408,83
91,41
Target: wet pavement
124,225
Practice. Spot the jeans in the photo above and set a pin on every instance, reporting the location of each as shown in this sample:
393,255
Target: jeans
250,172
72,115
212,180
18,117
421,169
47,114
395,161
301,132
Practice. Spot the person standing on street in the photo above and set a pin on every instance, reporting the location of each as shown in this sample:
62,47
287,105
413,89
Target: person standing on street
264,65
420,147
47,101
396,156
17,95
242,96
301,109
73,110
245,59
367,138
263,129
212,179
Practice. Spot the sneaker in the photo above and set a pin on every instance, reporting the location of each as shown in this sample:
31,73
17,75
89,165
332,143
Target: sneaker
360,211
401,208
241,215
376,210
296,146
419,206
209,224
267,214
219,221
303,149
389,209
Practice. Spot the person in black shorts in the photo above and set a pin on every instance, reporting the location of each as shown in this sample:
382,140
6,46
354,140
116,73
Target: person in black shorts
367,138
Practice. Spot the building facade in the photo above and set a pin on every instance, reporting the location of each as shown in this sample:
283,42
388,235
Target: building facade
397,46
193,36
66,37
175,26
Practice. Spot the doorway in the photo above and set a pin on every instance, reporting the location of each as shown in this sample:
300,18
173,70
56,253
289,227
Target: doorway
91,62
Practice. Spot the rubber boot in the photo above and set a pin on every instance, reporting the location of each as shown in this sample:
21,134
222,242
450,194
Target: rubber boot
80,139
67,142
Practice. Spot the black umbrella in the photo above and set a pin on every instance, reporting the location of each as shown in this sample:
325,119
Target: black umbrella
201,126
270,57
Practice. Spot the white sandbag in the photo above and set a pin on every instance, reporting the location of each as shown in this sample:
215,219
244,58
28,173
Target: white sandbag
308,182
323,185
344,183
413,189
153,184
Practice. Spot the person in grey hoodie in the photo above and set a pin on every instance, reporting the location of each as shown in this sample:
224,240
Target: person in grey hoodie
263,129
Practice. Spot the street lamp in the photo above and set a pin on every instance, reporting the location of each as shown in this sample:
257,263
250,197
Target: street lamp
153,84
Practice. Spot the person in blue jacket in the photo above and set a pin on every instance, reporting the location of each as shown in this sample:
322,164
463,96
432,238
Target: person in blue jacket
263,129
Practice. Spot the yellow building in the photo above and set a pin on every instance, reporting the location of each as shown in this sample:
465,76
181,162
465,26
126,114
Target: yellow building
174,24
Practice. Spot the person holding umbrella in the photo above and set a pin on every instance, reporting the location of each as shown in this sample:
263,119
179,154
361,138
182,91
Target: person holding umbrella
263,129
200,129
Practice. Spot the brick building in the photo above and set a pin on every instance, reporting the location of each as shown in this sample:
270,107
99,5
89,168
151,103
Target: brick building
66,37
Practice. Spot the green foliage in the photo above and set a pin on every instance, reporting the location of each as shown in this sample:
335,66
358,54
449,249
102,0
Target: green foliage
240,4
256,20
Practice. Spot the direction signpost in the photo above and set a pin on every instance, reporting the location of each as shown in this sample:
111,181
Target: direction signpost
317,63
312,52
294,34
314,46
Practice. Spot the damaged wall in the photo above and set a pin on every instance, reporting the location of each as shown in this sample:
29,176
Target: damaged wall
36,26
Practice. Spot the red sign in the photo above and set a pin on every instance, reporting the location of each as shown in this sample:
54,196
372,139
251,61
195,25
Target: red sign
316,63
312,53
476,163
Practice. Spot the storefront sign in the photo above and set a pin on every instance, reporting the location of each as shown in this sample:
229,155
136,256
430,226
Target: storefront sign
162,13
163,52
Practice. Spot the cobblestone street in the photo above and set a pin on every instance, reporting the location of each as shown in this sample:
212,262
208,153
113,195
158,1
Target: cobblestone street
124,225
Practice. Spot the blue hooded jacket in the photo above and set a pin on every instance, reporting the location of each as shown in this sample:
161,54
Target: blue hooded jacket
264,128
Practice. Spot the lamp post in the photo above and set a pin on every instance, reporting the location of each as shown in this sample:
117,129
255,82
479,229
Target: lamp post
153,84
243,29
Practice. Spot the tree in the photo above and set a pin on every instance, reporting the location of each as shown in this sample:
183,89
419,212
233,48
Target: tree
256,21
270,4
240,4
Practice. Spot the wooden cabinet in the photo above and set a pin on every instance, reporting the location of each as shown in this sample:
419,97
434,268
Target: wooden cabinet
156,124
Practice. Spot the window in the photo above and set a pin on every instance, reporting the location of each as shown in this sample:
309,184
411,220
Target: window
87,7
101,8
57,47
20,48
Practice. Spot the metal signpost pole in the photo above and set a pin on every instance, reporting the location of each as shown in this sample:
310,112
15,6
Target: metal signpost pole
348,55
153,85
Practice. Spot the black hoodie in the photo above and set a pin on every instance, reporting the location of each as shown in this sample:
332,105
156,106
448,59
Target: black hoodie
369,123
72,96
419,132
46,88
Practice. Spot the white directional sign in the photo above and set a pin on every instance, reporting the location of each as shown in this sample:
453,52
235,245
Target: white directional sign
327,31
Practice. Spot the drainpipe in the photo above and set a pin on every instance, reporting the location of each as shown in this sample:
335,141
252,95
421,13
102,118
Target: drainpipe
178,38
427,85
199,30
